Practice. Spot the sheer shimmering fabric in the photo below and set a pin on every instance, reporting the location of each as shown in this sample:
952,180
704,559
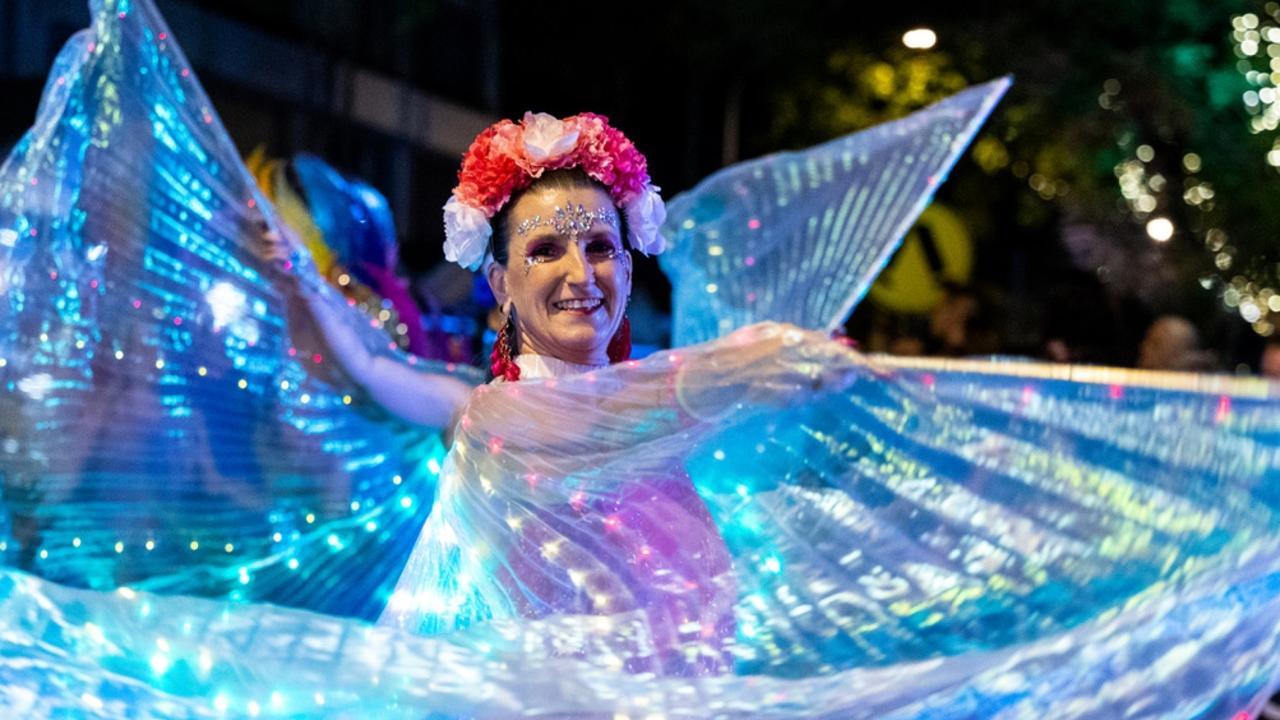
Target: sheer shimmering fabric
766,524
799,236
937,539
165,422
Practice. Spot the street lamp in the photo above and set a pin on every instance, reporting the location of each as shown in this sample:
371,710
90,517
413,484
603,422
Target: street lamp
920,38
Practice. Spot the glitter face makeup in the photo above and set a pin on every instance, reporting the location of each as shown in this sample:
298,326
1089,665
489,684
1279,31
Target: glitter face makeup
570,221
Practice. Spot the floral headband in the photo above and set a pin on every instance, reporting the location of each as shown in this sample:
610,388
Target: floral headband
507,157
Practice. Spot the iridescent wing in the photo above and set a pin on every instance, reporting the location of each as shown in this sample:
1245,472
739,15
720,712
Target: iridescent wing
166,422
942,507
798,237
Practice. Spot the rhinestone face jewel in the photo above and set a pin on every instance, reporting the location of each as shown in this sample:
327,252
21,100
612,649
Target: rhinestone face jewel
570,220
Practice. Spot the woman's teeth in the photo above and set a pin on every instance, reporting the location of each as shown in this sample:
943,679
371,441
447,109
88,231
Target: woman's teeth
587,304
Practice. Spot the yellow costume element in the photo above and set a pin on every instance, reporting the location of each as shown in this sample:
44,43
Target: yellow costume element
292,208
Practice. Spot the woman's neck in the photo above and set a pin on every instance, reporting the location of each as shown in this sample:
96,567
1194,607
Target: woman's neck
533,366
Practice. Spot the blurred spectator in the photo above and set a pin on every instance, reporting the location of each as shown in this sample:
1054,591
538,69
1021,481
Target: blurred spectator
968,322
1269,365
1172,343
906,345
949,323
1056,350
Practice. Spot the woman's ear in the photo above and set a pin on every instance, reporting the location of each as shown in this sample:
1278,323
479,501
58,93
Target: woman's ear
497,276
630,265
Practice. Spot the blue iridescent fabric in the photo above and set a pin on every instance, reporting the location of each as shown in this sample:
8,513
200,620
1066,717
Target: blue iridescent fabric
167,430
799,237
762,524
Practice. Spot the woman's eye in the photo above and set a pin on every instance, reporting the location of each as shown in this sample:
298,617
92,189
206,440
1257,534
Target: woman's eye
542,252
601,248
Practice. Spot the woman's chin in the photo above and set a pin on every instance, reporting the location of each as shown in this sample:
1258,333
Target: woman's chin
586,346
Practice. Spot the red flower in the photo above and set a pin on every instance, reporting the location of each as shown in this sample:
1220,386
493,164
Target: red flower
497,165
489,173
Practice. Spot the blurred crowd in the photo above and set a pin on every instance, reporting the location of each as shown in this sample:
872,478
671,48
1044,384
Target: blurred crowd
974,323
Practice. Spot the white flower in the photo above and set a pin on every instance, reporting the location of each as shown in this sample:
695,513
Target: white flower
466,234
546,138
645,214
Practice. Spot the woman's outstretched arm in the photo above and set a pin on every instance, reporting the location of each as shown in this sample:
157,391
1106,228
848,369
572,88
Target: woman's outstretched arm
421,398
685,391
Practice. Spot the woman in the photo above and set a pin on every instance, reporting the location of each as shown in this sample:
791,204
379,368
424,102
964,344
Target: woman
552,210
947,539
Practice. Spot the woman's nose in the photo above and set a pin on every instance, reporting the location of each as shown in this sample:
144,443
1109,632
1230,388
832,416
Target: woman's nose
580,270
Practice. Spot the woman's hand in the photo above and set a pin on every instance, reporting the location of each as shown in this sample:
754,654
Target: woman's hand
767,363
280,248
782,358
277,245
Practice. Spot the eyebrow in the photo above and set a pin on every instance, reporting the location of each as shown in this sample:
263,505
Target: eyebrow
542,235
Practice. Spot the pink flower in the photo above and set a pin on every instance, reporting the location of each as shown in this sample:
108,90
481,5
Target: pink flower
508,140
546,139
609,157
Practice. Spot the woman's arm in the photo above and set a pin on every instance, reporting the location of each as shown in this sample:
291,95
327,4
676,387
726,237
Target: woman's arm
684,391
416,397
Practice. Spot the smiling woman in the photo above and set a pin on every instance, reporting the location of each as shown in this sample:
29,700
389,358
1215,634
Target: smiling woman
757,522
567,199
561,273
551,209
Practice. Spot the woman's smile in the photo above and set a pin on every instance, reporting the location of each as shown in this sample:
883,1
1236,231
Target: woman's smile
579,306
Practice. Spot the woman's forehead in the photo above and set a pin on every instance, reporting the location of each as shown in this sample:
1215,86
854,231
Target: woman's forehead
545,201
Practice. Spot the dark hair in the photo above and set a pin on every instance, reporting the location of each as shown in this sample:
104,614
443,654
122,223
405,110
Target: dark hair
567,179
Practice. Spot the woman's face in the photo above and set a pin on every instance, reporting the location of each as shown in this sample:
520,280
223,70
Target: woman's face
567,276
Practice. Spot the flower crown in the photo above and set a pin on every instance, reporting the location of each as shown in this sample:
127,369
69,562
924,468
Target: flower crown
507,157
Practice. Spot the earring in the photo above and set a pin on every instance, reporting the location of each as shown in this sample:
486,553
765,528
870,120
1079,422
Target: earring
501,364
620,345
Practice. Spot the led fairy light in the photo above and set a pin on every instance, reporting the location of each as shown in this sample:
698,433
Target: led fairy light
1256,41
1257,45
1137,185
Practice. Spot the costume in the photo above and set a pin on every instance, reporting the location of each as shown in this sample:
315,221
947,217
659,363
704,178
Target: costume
131,364
940,539
346,227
